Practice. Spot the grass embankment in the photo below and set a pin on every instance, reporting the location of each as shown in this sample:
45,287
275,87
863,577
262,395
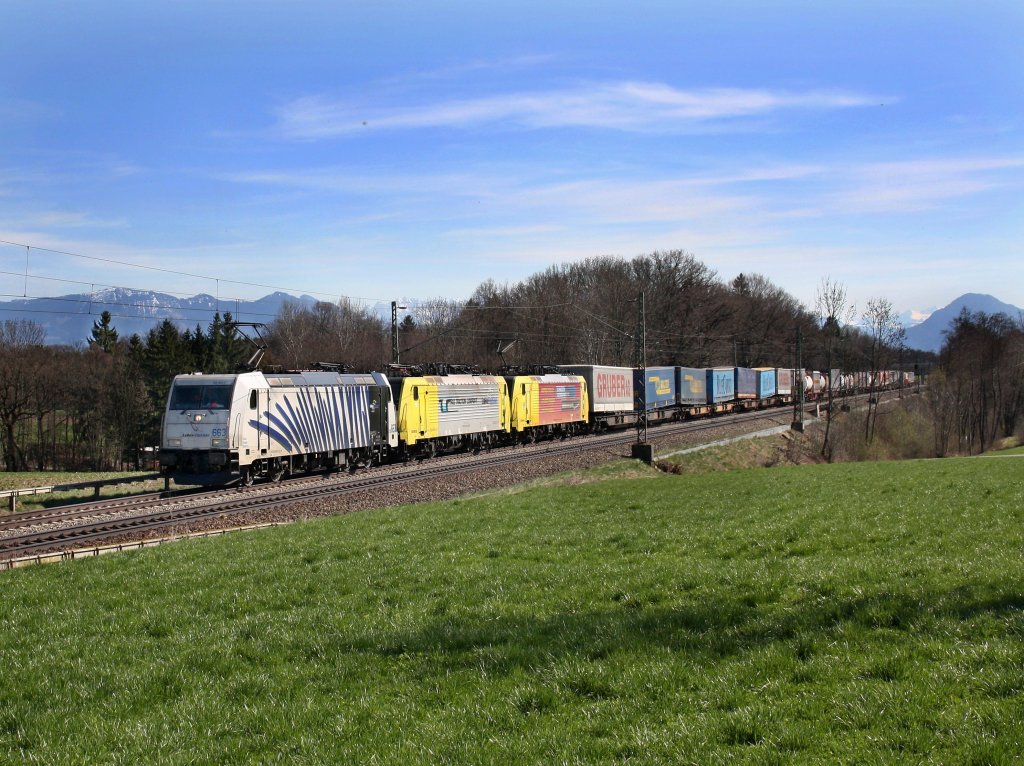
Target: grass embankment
855,613
1009,451
27,479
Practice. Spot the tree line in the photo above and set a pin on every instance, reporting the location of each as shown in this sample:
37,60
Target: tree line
977,394
99,404
96,407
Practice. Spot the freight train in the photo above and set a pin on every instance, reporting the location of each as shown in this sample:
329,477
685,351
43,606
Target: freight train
236,428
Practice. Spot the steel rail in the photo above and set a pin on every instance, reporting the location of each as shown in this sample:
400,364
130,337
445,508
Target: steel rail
180,510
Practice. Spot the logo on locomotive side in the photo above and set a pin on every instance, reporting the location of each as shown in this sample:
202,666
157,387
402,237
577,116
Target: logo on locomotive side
613,386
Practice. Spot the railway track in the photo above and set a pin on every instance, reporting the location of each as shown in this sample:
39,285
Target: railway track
32,532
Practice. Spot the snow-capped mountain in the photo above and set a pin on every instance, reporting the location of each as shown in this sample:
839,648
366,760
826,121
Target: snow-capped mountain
68,319
928,335
914,317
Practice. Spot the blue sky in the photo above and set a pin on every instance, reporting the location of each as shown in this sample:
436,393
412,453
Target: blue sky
413,150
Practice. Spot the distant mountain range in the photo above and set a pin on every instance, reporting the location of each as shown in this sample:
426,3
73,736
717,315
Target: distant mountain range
68,319
928,335
914,317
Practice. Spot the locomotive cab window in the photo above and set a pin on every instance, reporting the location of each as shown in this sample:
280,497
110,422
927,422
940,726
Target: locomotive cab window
193,397
252,399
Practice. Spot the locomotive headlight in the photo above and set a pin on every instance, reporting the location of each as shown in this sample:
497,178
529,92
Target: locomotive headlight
197,418
219,443
174,442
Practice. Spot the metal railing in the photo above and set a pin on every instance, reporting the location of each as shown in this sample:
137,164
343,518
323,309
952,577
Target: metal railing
96,486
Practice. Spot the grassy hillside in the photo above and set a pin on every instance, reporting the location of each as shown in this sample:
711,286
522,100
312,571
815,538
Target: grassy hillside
855,613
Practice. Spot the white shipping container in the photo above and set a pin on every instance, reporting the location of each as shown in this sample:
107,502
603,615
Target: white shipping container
610,388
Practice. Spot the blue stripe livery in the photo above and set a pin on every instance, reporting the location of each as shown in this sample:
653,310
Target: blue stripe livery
319,419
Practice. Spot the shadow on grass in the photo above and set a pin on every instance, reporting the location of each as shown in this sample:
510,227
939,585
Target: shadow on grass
706,629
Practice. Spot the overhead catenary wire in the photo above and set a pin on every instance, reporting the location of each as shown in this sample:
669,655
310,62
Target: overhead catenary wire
176,272
658,339
26,275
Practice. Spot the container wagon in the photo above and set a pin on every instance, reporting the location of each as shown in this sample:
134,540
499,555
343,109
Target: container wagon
692,391
610,393
746,386
767,385
659,387
721,388
784,380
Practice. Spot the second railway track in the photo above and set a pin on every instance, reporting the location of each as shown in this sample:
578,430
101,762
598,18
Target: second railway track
33,532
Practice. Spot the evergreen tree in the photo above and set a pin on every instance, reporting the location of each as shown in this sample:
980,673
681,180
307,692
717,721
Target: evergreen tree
103,336
227,349
166,353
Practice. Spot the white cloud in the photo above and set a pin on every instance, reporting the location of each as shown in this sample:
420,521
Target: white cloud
746,194
511,64
23,110
627,106
65,219
917,185
505,231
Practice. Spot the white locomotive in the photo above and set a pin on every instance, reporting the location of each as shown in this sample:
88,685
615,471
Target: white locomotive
239,427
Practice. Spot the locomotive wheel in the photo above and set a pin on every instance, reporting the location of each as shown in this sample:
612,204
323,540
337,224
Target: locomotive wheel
247,477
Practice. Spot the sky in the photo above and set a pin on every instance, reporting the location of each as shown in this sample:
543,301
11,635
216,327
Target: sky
405,151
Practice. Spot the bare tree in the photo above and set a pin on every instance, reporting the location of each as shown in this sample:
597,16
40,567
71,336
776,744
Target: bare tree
21,360
886,335
441,332
983,359
340,332
834,312
762,314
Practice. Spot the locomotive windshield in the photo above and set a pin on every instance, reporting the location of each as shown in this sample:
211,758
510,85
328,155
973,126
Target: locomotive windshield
193,397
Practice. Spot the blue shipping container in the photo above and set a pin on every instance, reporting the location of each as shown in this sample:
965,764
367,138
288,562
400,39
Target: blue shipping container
721,385
766,382
660,386
746,383
692,385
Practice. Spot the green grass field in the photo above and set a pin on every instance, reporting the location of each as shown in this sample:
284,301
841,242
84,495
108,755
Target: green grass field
868,613
23,479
